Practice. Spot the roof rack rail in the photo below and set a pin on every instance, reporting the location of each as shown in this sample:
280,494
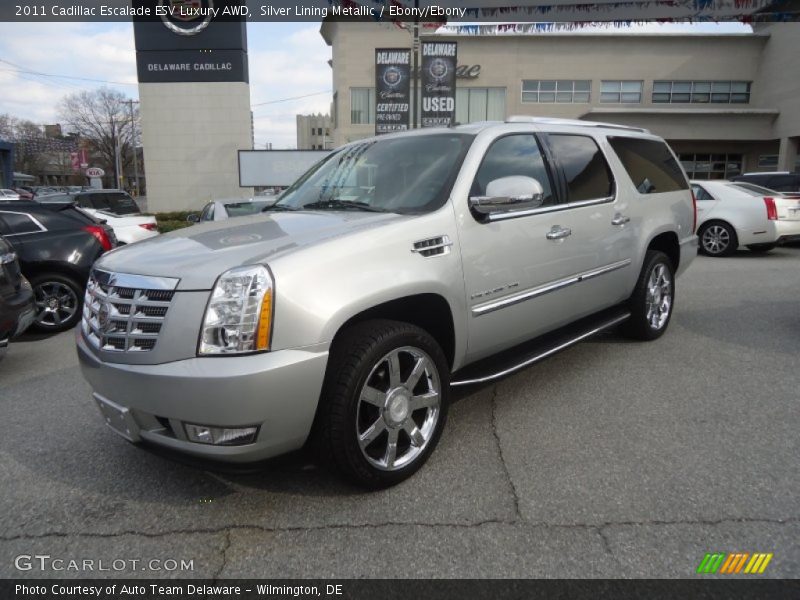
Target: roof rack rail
577,122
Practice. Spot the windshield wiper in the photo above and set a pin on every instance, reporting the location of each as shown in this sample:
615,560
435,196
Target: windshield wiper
336,204
277,207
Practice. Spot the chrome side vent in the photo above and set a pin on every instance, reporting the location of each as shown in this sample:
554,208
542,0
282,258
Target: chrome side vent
435,246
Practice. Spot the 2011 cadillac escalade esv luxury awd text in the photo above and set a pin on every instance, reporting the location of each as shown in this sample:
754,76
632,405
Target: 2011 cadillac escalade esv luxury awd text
394,269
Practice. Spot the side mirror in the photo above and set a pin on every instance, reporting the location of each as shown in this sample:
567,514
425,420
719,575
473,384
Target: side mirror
193,218
508,194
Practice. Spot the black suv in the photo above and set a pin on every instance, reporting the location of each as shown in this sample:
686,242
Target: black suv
116,202
56,245
778,181
16,297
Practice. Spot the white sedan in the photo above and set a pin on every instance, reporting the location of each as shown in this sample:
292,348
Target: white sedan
6,194
127,228
730,216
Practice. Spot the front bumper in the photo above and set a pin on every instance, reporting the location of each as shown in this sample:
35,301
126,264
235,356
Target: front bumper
276,391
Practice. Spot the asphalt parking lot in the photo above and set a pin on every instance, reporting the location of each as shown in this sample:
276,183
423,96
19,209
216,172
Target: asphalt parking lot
612,459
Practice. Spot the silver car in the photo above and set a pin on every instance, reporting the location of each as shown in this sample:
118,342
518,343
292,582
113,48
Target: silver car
394,269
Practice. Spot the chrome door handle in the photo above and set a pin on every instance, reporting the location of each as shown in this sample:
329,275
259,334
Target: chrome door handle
558,233
620,219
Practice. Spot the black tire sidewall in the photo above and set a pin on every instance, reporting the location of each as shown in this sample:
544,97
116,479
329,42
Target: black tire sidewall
38,280
344,445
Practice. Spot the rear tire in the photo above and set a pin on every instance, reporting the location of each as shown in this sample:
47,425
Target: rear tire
384,402
59,300
761,248
717,238
653,298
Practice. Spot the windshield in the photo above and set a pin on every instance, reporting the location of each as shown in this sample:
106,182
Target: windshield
406,175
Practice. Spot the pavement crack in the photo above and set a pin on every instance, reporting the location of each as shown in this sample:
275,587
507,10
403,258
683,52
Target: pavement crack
224,552
228,529
512,487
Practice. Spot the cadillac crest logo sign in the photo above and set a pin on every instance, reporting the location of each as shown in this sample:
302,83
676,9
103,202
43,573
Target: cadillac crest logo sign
187,17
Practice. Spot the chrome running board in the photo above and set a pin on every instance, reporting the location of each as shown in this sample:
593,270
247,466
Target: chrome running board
538,349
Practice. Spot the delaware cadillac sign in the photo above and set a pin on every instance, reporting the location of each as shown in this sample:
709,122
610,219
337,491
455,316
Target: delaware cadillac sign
392,97
439,83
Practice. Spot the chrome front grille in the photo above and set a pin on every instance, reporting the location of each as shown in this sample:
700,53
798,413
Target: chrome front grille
125,313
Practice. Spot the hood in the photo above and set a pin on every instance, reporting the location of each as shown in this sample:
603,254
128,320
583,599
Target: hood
197,255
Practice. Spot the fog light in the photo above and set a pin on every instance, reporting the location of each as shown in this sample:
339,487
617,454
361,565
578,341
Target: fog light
220,436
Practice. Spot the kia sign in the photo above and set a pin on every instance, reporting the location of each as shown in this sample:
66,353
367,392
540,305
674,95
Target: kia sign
438,83
95,172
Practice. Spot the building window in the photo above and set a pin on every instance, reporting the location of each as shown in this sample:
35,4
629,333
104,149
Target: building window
768,162
712,166
362,106
701,92
621,92
480,104
560,91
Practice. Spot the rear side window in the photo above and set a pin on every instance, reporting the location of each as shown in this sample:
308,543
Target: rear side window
701,194
18,223
587,173
650,165
122,204
785,183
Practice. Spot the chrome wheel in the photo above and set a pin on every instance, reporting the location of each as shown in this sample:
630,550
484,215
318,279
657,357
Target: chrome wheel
716,239
398,408
659,296
56,304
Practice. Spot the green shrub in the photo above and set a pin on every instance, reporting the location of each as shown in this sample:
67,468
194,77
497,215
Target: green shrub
165,225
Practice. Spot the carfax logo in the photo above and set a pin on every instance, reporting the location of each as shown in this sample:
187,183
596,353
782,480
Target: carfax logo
734,563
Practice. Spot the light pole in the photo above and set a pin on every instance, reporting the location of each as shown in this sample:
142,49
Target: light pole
133,143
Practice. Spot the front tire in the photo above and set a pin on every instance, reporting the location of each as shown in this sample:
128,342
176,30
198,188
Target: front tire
384,402
58,301
653,298
718,239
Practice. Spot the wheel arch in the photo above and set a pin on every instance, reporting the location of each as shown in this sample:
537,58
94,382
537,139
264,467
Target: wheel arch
668,243
428,311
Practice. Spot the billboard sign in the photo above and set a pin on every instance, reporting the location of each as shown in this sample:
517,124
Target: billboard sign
392,89
439,63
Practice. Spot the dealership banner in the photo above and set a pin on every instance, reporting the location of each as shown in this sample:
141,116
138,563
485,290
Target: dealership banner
439,83
392,89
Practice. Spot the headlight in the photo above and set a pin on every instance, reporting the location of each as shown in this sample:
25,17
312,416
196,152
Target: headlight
239,314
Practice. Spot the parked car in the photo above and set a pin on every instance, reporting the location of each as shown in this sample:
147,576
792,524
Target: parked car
23,193
391,271
220,210
730,216
115,208
56,245
782,181
762,191
16,297
6,194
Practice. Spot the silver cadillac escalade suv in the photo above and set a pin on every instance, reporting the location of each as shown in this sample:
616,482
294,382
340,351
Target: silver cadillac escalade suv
393,270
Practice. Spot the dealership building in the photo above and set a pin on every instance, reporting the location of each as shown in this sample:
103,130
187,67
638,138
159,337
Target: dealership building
727,103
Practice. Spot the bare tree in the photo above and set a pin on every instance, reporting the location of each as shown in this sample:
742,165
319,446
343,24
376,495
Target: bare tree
103,118
29,141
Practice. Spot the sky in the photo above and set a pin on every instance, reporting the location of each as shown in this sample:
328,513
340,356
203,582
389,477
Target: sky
43,62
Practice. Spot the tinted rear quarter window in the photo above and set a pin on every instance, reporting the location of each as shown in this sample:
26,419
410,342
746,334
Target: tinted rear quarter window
585,169
650,165
17,223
